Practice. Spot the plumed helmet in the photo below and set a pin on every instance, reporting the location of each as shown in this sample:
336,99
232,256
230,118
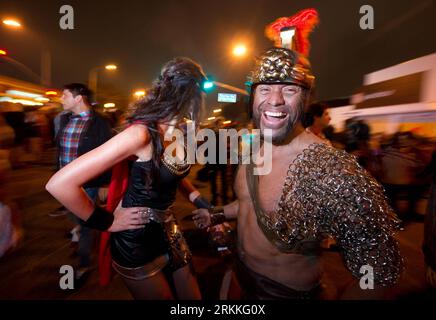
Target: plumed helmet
287,62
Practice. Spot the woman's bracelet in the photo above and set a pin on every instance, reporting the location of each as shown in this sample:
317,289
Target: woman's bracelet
100,219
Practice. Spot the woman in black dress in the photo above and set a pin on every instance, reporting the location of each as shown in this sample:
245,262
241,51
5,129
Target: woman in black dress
148,249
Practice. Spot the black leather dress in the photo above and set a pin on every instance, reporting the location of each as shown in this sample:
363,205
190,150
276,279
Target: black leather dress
136,248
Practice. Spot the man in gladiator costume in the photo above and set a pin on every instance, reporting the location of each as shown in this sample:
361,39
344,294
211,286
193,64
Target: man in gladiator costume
313,190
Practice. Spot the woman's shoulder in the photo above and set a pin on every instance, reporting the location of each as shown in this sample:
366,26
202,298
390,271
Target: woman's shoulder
138,135
134,136
137,130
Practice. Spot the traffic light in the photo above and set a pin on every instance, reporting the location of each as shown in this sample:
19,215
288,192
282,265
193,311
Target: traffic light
208,84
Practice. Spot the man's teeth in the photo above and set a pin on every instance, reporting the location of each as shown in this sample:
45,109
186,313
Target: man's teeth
275,114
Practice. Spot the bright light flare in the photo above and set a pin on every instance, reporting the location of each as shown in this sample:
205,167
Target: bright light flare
111,67
139,93
240,50
12,23
208,85
42,99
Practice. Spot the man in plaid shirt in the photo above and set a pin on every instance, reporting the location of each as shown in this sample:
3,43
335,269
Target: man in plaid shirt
81,129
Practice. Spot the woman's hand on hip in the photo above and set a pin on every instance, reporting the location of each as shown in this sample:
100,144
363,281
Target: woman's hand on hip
127,219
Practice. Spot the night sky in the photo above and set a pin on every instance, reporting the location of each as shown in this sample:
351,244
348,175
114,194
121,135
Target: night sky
139,36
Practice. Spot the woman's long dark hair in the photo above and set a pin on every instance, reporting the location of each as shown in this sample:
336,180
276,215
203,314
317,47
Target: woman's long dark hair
177,93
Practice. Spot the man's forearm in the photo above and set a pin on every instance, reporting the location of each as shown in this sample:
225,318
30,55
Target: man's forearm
220,214
231,210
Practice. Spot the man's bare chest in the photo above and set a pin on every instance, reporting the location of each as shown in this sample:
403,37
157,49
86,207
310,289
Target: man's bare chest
270,187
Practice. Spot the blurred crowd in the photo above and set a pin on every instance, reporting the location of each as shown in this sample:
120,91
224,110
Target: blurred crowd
25,135
399,161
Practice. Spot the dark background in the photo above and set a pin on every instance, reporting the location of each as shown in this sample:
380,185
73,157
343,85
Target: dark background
139,36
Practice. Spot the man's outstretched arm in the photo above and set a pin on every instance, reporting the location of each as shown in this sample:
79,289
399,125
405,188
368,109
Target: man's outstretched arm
204,218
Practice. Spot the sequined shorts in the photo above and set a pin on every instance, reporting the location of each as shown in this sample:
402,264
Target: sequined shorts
144,272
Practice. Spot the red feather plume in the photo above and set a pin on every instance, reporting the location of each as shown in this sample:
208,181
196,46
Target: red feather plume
304,22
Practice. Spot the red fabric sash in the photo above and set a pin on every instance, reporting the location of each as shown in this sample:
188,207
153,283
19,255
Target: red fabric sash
117,188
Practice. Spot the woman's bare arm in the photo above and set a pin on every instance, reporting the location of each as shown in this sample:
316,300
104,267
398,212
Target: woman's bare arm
186,187
66,184
194,196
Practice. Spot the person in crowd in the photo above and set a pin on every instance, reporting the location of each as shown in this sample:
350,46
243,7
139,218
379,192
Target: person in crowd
81,129
317,119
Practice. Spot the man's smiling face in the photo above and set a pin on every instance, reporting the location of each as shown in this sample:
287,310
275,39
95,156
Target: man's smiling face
278,107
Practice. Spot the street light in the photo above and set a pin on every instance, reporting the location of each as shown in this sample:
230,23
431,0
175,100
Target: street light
12,23
230,87
22,67
239,50
111,67
109,105
139,93
217,110
45,78
93,77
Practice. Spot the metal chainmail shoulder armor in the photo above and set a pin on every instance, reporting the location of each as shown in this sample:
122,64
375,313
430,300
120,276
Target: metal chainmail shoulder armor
326,192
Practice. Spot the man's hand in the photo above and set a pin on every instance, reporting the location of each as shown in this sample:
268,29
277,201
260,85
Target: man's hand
201,218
